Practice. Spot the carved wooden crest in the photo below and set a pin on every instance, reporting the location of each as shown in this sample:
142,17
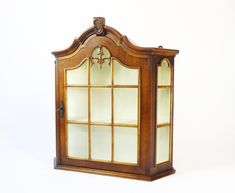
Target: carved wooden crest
99,23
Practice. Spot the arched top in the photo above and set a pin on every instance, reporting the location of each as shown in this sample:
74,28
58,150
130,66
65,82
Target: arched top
164,72
165,63
100,29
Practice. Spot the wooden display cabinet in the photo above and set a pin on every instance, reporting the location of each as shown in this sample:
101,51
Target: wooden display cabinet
114,106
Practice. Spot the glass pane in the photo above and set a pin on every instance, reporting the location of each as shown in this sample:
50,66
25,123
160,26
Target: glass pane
163,105
100,67
125,144
78,75
125,105
164,73
77,104
101,105
78,141
163,147
100,76
124,75
101,143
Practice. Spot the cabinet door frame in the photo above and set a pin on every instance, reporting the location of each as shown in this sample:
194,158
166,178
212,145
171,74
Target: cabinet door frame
131,62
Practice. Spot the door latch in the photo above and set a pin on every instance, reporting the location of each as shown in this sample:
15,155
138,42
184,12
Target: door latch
61,109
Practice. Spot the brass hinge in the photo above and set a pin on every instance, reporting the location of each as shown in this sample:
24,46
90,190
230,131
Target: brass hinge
61,109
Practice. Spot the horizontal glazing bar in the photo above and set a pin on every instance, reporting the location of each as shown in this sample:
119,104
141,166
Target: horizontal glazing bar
125,86
164,86
73,85
102,124
103,86
163,125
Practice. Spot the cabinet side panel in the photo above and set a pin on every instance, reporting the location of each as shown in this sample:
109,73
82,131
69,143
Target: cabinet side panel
156,168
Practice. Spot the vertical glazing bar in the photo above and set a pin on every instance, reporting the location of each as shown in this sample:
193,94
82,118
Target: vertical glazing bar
112,107
171,110
66,112
156,106
89,109
138,120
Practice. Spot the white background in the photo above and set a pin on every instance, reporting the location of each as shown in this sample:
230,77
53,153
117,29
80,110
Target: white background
204,140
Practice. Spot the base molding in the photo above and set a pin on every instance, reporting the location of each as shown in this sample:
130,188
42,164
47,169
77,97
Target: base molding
115,173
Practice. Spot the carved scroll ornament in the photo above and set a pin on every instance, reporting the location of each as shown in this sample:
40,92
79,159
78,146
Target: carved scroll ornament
99,23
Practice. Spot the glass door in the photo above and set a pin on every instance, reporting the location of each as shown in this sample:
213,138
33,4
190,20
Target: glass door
102,110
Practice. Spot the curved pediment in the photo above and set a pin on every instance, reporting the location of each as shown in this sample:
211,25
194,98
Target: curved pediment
100,29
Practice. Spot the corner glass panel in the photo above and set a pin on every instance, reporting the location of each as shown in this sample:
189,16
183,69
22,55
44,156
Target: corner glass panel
101,105
124,75
163,147
164,73
163,105
163,115
126,105
101,143
78,75
125,144
77,104
77,141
